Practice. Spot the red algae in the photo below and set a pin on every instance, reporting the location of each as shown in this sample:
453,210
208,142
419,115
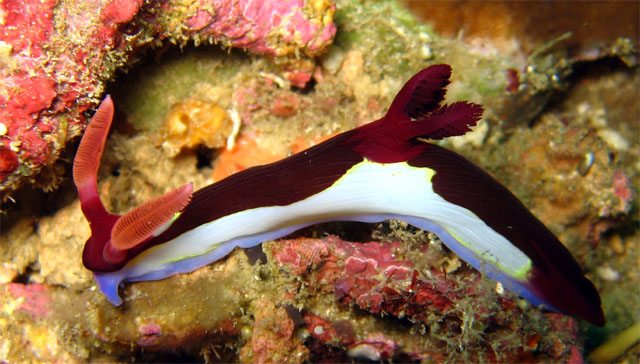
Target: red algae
120,11
373,277
26,25
8,162
397,308
404,299
256,25
35,298
272,338
58,56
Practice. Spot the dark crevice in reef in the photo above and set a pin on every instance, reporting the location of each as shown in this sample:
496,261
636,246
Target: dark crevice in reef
205,157
25,277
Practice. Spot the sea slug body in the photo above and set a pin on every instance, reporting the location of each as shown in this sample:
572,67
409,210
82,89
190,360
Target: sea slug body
380,171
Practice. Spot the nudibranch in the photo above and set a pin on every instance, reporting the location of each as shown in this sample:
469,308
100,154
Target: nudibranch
380,171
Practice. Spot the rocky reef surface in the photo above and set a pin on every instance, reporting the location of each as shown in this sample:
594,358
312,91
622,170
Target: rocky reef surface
559,130
56,58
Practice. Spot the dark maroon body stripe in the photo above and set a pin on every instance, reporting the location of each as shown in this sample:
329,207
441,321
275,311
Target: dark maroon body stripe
556,276
277,184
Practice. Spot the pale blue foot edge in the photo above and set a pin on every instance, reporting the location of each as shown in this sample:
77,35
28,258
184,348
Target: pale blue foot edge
486,268
110,282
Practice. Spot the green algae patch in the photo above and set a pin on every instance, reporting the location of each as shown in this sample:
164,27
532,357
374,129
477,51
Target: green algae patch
393,43
203,73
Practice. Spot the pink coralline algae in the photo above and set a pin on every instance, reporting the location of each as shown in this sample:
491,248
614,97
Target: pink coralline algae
8,162
380,280
120,11
263,26
622,188
17,16
272,338
35,298
369,275
53,69
150,332
25,88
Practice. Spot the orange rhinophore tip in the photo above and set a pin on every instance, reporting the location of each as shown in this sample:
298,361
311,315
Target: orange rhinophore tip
138,224
87,160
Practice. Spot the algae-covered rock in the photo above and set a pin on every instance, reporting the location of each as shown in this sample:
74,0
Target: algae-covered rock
555,131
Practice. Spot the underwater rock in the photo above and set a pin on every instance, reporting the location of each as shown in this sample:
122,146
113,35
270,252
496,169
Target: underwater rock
277,28
33,298
426,310
56,59
273,337
221,299
298,306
